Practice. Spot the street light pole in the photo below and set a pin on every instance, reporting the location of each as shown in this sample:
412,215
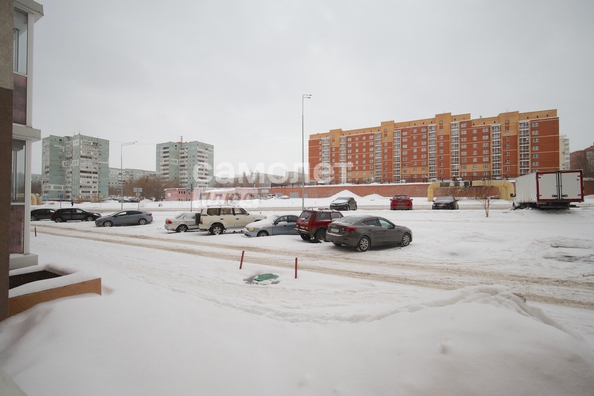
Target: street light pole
304,96
122,172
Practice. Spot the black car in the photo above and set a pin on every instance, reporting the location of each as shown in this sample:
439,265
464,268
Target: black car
362,232
344,203
41,214
447,202
61,215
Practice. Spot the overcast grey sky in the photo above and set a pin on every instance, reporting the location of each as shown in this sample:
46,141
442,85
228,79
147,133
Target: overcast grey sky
231,73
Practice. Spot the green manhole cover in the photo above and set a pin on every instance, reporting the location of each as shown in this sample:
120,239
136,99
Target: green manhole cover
263,278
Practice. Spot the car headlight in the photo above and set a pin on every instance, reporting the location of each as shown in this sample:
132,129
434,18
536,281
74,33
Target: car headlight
250,229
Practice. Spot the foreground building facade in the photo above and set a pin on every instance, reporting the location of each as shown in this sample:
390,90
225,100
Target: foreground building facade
75,168
16,134
187,164
442,147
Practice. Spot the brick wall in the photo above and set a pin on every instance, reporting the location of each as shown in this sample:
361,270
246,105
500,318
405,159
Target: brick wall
385,190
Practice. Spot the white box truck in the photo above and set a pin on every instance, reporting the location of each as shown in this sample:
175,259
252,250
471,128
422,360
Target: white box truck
549,189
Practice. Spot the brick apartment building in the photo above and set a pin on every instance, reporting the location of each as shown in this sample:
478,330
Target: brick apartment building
584,160
444,146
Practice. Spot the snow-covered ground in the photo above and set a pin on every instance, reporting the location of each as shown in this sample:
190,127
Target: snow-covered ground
475,305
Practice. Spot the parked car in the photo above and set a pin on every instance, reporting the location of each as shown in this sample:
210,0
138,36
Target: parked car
68,214
344,203
274,225
217,219
446,202
182,222
401,202
41,214
313,223
125,217
362,232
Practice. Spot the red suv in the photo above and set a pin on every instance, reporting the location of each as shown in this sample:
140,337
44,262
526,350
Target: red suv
403,202
313,223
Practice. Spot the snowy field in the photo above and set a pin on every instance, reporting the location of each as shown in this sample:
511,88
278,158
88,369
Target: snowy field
475,305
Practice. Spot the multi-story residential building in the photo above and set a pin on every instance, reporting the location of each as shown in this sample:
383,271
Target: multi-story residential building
584,160
187,164
564,153
75,168
442,147
17,19
116,175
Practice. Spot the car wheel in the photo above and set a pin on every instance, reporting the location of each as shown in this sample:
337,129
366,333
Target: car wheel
216,229
363,244
405,240
262,234
182,228
320,235
90,218
142,221
305,237
59,220
107,224
355,207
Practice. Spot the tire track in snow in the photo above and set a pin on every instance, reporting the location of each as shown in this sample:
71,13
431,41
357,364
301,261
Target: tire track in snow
564,292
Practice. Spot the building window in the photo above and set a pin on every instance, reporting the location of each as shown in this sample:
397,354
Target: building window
534,148
535,164
19,64
534,140
535,132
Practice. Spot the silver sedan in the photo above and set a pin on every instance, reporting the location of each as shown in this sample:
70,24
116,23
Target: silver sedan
125,217
274,225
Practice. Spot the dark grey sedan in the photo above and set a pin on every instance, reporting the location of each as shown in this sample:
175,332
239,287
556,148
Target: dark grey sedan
362,232
447,202
125,217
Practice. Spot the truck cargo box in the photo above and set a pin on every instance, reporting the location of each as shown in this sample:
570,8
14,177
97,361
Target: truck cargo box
549,189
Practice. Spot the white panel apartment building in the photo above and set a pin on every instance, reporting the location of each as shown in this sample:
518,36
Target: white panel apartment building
75,168
186,164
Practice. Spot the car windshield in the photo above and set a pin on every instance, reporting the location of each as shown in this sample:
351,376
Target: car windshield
349,220
305,215
444,199
181,216
341,199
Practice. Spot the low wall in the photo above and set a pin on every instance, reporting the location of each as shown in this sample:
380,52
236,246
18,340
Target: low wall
37,284
588,187
385,190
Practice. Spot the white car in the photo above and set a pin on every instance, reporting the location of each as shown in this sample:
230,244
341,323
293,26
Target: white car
217,219
182,222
